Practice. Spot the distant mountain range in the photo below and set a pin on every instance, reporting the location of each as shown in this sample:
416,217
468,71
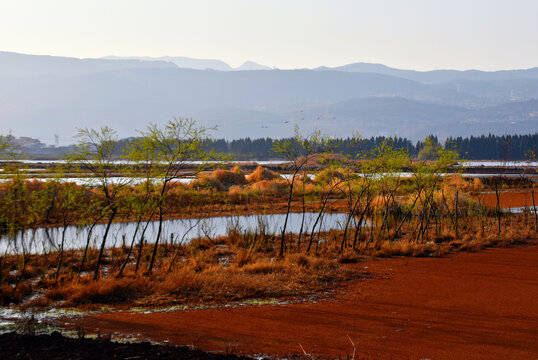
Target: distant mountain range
45,95
197,64
437,76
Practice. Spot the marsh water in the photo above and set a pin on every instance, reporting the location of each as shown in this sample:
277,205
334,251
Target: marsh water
179,230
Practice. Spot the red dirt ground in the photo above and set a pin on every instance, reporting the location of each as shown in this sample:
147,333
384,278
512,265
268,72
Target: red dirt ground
509,199
465,306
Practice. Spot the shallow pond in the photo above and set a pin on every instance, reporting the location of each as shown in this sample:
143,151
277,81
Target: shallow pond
180,230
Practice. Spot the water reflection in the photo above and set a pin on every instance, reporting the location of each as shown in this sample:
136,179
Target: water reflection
181,230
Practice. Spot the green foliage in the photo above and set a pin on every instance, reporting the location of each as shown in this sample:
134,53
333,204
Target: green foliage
430,149
167,150
95,152
8,148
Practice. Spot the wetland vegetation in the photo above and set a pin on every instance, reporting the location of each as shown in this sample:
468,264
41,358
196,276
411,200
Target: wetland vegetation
111,241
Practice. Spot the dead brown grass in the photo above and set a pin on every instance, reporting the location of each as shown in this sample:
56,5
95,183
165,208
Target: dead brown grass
105,291
292,276
270,187
261,174
207,182
229,178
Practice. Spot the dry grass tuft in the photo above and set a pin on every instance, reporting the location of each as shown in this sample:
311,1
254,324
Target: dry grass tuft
406,248
220,180
456,181
202,259
241,258
265,266
207,182
229,178
348,257
107,291
270,187
14,294
261,174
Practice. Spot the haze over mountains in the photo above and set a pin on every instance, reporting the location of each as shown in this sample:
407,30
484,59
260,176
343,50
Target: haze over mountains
45,95
192,63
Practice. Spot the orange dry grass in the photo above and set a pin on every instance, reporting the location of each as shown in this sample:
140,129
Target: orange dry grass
14,294
229,178
309,188
456,181
207,182
270,187
106,291
198,277
293,276
261,174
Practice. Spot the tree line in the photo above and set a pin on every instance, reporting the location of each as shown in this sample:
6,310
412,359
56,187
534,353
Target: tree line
484,147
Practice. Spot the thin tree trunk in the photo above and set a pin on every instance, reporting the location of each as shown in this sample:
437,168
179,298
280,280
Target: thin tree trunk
120,273
179,245
23,268
406,216
456,215
283,235
320,214
534,207
348,221
102,248
498,208
302,222
155,246
88,239
61,255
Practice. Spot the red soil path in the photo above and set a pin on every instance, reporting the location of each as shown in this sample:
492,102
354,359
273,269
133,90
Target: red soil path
465,306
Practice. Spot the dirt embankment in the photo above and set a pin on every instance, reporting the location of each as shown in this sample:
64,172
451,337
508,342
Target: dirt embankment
464,306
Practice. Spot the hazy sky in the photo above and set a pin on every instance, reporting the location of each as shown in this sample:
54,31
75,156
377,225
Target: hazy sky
418,34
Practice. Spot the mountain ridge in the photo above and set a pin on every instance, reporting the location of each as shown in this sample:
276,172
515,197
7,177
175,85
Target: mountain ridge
45,95
195,63
437,76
